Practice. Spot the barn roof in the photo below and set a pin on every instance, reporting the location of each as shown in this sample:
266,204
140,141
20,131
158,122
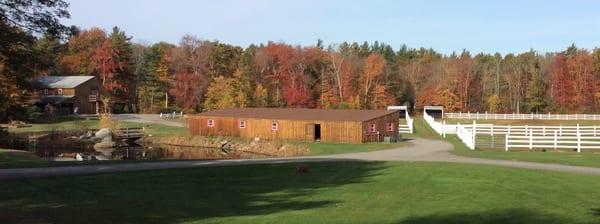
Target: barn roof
61,81
299,114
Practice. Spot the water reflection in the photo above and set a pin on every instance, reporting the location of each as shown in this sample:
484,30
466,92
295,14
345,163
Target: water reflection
68,149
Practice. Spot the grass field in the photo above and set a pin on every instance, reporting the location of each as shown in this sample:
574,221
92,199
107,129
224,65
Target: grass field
322,148
10,158
333,192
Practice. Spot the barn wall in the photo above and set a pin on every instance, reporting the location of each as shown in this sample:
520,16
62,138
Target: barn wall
331,131
82,96
381,126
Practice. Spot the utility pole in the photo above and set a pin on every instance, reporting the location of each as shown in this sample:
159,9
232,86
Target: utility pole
166,100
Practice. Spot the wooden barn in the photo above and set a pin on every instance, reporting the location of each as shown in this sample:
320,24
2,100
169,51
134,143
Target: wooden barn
349,126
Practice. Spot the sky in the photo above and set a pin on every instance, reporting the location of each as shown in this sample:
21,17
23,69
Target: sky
508,26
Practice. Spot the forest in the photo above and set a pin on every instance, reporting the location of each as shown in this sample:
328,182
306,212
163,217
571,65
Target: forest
196,74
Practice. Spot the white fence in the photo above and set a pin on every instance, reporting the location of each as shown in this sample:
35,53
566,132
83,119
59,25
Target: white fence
555,141
465,135
539,130
173,115
408,127
532,116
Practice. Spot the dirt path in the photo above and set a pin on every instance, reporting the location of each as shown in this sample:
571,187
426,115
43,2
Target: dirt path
420,150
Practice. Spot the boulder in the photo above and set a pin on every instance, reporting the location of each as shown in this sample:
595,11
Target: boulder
104,134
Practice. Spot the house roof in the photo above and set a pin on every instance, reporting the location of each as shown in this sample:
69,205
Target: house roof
61,81
299,114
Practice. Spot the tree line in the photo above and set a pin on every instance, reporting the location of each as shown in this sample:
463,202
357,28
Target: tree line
197,75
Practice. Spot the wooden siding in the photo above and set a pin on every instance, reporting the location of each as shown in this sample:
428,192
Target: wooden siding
82,96
381,128
331,131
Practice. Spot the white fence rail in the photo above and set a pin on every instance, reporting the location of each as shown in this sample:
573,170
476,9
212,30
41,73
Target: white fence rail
489,116
537,130
555,141
408,127
174,115
465,135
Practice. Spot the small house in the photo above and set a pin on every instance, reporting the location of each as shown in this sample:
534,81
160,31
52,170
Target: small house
326,125
68,94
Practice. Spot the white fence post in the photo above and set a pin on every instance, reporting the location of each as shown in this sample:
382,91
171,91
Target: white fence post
560,130
444,129
506,144
492,130
474,133
544,130
530,140
555,140
578,142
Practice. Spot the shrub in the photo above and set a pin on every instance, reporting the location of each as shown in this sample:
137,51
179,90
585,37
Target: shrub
33,113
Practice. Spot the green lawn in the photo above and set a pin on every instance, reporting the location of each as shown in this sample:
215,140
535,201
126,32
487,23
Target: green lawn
333,192
322,148
10,158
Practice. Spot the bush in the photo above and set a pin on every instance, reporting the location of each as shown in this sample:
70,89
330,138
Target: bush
33,113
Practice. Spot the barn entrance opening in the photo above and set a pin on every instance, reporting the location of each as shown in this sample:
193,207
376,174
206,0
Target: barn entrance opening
317,132
436,112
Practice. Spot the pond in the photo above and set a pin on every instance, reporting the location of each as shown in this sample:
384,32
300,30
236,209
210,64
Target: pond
66,147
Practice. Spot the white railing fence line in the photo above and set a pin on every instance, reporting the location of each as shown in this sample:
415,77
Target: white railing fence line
174,115
555,141
531,116
543,130
465,135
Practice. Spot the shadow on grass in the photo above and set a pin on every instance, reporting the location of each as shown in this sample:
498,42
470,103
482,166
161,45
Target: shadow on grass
595,212
510,216
178,195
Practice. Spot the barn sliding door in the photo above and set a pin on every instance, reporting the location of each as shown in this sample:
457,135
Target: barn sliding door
309,132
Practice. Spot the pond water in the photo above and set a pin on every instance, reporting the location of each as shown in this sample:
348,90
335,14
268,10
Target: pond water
64,148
